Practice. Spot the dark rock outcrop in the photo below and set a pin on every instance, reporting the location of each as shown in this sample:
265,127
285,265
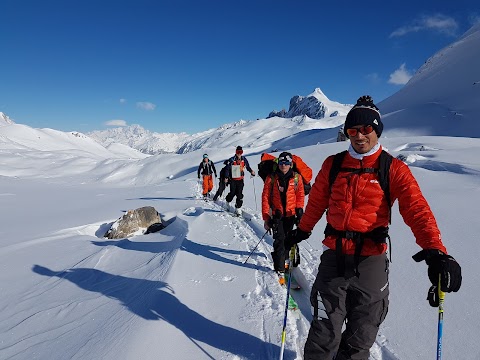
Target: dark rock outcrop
142,219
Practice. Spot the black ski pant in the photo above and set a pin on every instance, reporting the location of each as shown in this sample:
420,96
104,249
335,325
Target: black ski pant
361,302
221,189
236,189
281,227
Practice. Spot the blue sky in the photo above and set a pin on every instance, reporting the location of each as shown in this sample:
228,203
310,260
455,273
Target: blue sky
191,65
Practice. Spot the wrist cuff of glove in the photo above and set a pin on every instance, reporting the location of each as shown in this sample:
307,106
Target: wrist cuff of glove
427,255
301,235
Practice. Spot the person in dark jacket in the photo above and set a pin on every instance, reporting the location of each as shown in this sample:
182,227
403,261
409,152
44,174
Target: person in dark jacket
235,173
207,168
223,181
352,285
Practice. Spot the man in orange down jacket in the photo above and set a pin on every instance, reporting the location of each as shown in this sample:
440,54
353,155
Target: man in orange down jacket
283,198
352,280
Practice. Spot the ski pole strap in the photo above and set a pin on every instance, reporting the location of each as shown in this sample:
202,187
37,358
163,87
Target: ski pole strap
378,235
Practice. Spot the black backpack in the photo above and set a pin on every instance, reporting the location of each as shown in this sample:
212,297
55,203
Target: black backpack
266,168
383,171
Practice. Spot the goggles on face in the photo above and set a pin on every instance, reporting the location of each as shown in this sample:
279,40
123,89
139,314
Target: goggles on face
364,130
285,163
239,152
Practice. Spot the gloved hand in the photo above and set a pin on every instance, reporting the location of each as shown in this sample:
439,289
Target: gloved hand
252,173
299,214
295,236
199,176
443,268
267,225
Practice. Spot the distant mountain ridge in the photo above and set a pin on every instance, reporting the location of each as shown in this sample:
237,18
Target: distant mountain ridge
141,139
315,106
303,114
441,99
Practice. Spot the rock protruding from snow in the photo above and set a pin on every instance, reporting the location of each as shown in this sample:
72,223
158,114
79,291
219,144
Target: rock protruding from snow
135,222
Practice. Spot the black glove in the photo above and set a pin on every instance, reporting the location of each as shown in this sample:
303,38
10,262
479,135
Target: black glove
441,266
299,214
295,236
199,176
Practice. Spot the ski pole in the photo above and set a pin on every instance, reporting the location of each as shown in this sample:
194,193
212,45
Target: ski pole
254,193
441,298
255,247
284,331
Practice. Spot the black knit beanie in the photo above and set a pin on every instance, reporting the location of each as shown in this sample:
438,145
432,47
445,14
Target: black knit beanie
365,112
285,156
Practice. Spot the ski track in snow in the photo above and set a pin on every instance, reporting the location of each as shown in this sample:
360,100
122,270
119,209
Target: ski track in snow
267,298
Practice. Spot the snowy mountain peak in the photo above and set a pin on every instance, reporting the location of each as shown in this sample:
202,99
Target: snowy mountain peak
318,93
315,106
5,120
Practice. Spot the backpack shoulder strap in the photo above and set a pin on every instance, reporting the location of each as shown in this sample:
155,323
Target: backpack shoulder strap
385,160
272,184
335,169
295,181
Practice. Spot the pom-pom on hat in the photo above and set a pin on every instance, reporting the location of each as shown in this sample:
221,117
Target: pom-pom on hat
365,112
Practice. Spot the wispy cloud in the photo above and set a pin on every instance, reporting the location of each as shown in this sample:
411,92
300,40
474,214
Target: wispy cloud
439,23
400,76
373,78
123,101
146,105
474,18
116,123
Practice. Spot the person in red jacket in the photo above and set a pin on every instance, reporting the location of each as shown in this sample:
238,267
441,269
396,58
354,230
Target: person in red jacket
283,199
352,281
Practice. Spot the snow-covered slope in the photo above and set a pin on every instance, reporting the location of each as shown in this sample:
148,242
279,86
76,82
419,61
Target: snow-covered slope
51,153
188,292
443,97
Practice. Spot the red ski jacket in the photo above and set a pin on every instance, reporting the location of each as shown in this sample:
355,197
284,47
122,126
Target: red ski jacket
357,203
271,200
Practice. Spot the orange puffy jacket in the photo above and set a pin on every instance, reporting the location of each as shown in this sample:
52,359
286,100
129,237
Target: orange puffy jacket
271,200
357,203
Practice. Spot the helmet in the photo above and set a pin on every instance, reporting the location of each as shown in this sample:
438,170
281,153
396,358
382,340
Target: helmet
205,156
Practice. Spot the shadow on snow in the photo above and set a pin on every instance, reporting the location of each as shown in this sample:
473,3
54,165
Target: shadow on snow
207,251
154,300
